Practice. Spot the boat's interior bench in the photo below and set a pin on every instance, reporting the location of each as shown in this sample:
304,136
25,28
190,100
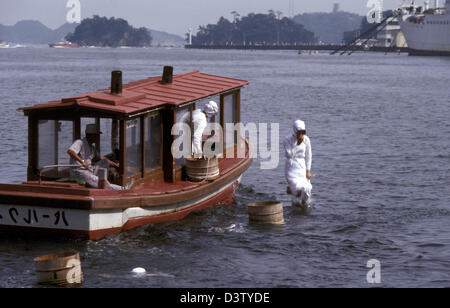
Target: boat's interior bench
61,173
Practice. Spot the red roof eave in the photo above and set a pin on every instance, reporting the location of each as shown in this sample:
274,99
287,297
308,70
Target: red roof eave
147,94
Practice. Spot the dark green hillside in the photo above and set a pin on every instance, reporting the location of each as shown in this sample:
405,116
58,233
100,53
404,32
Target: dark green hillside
112,32
254,29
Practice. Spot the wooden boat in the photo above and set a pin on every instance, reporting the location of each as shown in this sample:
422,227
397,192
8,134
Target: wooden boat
136,120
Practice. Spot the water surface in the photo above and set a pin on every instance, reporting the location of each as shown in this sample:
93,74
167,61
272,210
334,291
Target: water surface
379,131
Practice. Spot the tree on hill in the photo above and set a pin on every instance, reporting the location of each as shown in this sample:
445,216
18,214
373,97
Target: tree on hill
112,32
253,29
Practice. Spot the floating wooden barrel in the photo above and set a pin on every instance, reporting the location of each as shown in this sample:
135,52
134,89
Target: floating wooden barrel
59,269
202,169
267,212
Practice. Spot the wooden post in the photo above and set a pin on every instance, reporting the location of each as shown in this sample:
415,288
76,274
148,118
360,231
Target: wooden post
97,145
123,149
55,140
102,178
191,125
168,119
143,145
77,128
161,134
222,124
238,106
32,148
238,141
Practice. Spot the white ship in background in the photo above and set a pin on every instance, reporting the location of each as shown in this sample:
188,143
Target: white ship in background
426,30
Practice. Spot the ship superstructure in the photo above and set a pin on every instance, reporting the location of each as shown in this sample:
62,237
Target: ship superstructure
426,29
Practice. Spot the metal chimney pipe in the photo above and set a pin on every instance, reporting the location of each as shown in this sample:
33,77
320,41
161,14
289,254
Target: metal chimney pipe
167,76
116,82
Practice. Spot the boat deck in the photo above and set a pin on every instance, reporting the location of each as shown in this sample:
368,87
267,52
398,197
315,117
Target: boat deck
156,193
156,187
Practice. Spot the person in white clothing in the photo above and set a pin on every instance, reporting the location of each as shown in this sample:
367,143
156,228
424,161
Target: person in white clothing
200,119
83,154
298,162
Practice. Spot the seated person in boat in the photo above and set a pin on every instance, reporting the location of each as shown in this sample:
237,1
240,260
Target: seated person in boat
298,162
83,154
200,119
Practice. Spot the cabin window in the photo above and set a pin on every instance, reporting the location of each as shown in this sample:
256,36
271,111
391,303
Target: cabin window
65,140
183,115
55,138
105,137
109,139
47,149
216,137
86,121
133,152
230,116
201,104
153,144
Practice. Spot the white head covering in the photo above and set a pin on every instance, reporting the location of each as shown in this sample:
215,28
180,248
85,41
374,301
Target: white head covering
92,129
299,125
211,108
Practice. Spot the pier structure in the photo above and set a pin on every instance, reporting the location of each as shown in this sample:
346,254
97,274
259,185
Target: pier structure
302,47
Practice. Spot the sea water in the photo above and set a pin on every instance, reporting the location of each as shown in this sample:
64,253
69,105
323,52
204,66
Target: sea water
379,128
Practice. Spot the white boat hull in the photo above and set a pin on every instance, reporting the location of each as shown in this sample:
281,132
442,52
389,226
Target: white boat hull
433,37
96,223
428,31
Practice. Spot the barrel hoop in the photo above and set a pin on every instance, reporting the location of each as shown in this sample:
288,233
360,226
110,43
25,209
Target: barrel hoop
203,167
279,222
203,171
203,174
56,269
266,214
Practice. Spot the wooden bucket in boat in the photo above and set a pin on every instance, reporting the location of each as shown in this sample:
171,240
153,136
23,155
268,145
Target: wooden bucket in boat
59,269
267,212
198,170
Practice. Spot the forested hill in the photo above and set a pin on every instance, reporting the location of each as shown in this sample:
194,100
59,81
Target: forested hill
112,32
33,32
254,29
329,27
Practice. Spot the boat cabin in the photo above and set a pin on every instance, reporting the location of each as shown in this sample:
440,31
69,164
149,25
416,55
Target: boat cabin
136,121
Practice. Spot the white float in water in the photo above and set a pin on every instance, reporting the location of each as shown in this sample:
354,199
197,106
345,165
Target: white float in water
138,271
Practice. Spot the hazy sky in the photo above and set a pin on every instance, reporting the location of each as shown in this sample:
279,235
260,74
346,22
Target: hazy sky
173,16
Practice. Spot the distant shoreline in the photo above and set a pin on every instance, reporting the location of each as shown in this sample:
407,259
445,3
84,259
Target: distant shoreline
411,52
296,47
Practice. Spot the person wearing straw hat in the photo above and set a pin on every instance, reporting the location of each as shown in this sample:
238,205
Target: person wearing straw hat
298,153
83,154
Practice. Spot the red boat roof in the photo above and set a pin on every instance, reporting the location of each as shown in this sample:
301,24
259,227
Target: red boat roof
148,94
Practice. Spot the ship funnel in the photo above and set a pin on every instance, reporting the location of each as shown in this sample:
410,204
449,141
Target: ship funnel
116,82
167,76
